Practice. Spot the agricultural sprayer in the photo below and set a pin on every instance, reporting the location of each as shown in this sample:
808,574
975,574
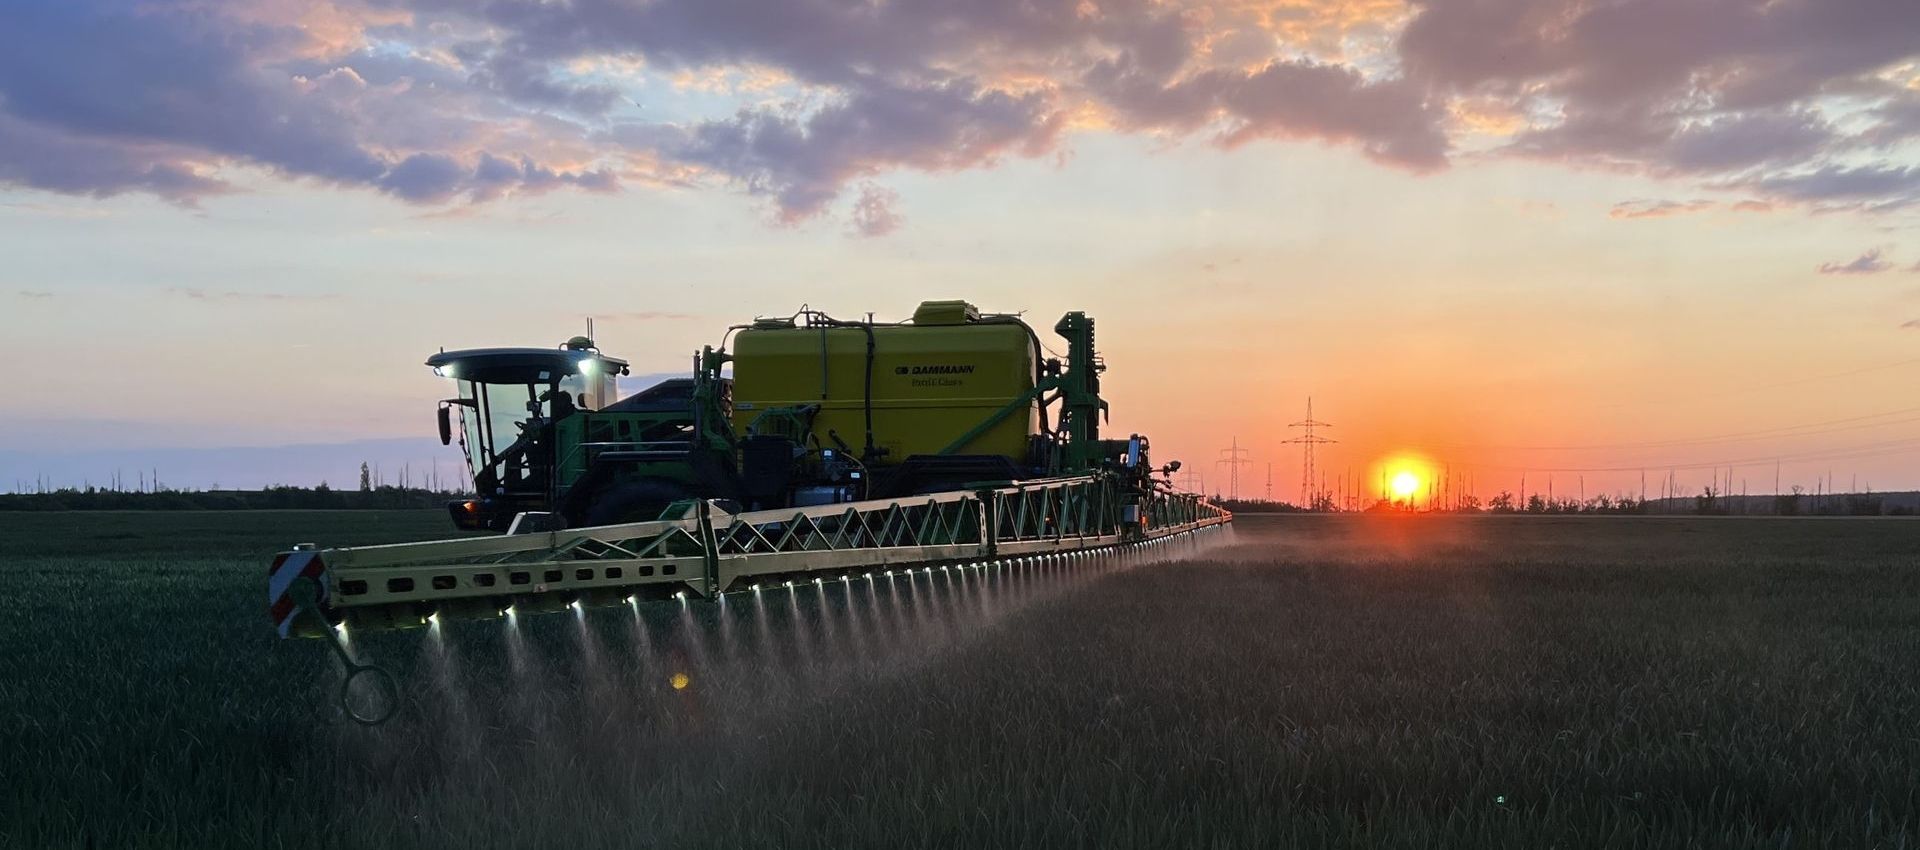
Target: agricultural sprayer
833,451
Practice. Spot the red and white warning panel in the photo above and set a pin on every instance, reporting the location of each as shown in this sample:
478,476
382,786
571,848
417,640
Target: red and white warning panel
288,568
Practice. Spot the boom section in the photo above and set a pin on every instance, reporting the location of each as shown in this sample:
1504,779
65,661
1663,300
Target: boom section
713,551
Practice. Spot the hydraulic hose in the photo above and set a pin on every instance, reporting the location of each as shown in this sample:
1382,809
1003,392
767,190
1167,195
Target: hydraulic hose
1039,362
867,395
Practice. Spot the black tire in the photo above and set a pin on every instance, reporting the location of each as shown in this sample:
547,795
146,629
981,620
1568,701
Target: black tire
639,500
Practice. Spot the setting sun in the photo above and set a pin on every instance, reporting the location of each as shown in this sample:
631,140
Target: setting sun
1405,484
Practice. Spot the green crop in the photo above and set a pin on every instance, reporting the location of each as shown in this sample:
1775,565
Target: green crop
1353,681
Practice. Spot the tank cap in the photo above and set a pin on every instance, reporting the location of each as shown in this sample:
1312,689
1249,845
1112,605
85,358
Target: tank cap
945,313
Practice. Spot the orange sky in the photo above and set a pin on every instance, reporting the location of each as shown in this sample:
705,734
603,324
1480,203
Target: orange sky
1585,250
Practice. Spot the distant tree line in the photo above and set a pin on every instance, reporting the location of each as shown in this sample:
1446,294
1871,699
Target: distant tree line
1257,506
1710,502
321,497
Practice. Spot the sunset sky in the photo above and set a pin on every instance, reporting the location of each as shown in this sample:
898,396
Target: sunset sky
1566,237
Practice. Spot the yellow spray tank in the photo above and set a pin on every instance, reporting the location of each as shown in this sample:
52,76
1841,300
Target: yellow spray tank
888,392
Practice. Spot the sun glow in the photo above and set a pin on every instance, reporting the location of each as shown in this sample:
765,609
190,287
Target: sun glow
1405,484
1404,479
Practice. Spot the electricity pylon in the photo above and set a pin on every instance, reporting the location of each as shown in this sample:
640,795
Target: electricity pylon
1307,440
1234,458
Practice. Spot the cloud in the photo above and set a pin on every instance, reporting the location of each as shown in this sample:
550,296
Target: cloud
1742,140
1657,209
228,295
436,102
531,82
34,294
1716,90
48,158
803,161
152,99
85,108
1389,120
431,178
1868,263
829,44
1911,323
1883,187
1645,55
644,316
425,177
1666,145
64,210
907,85
1651,208
873,211
1897,120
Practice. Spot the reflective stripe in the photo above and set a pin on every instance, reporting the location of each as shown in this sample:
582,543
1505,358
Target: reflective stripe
286,569
292,568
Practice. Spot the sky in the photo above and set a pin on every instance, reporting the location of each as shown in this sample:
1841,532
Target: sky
1492,239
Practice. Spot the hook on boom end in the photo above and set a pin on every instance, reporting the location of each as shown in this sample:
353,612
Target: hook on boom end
369,694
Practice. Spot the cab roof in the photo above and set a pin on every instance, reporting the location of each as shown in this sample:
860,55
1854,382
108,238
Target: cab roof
518,365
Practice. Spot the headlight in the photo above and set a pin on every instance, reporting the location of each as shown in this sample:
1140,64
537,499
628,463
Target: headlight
588,366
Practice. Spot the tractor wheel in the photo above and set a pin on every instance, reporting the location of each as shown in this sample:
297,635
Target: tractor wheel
639,500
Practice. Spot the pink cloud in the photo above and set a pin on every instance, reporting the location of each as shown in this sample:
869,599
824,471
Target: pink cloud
497,100
1657,209
1870,262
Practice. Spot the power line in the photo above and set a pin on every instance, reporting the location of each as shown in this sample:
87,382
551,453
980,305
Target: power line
1769,386
1885,447
1810,429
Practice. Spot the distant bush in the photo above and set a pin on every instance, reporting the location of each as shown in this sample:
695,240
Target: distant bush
1261,506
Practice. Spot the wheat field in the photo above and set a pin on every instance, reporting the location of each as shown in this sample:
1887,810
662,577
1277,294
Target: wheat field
1349,681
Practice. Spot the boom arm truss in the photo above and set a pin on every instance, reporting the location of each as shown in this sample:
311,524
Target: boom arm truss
711,552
